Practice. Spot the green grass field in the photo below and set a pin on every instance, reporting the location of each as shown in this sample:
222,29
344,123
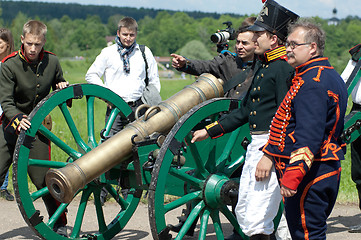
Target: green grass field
74,72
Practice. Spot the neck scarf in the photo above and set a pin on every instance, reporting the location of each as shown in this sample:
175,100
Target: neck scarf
124,53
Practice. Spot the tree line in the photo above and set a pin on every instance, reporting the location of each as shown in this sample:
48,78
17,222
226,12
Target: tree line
164,33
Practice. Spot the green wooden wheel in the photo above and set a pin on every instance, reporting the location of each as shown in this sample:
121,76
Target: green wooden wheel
205,181
68,144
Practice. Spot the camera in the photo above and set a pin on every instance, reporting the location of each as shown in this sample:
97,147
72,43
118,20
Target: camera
224,35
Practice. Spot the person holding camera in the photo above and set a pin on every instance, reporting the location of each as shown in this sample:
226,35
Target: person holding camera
233,70
258,201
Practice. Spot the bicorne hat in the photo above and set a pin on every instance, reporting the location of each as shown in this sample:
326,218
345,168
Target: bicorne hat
274,18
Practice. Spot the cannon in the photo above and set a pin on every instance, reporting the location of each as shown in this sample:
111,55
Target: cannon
151,154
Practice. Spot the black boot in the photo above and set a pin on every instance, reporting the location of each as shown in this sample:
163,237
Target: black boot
234,236
259,237
182,219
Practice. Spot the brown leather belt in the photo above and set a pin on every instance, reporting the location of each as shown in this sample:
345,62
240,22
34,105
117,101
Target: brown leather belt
259,132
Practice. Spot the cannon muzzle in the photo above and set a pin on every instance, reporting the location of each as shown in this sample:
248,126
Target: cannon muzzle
64,183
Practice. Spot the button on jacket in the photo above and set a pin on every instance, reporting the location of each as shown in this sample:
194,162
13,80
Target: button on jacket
24,84
268,88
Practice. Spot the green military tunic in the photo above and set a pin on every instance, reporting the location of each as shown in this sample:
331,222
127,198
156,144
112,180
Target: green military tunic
22,85
269,86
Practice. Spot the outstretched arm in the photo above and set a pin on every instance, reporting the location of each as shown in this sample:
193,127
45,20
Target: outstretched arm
199,135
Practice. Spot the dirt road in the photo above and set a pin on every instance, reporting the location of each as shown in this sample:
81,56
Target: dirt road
12,225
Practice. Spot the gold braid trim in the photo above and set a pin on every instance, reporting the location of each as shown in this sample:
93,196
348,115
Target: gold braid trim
211,125
302,154
276,53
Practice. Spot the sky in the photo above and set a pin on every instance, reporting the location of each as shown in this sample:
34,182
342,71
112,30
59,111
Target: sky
304,8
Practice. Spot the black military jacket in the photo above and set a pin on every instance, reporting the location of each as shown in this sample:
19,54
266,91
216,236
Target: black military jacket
270,84
224,66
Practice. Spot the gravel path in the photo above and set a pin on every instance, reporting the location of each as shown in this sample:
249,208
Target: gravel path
13,226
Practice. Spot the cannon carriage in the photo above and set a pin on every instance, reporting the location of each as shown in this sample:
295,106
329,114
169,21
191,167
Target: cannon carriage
151,155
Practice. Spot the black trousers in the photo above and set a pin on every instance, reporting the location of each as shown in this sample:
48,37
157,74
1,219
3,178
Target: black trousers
41,151
120,122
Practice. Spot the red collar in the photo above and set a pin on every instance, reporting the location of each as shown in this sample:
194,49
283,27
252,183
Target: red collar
22,54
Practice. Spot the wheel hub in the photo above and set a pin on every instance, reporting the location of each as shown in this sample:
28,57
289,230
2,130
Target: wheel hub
219,190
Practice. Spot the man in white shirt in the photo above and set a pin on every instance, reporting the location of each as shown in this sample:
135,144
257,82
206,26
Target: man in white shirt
123,69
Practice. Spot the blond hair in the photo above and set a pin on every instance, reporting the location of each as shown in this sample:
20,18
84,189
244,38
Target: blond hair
35,27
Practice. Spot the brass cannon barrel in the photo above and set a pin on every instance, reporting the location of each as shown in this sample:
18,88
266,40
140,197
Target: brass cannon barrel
63,183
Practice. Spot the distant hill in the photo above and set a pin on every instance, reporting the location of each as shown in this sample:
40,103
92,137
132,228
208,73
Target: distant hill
47,11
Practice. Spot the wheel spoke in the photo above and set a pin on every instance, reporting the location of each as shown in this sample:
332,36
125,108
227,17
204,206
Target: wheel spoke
191,218
46,163
90,117
99,211
40,193
80,212
204,224
186,177
58,142
228,170
197,159
228,148
217,224
108,125
73,129
121,201
183,200
232,219
57,214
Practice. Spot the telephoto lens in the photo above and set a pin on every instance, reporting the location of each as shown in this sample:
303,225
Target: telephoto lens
220,37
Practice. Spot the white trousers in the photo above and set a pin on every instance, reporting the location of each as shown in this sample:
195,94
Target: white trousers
258,201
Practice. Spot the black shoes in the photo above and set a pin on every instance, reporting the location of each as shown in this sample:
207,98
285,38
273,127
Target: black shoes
177,228
61,230
234,236
7,195
103,196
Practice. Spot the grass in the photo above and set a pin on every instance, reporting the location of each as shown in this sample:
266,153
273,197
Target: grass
74,72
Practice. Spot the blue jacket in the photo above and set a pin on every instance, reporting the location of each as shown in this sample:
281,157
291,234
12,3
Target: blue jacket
308,124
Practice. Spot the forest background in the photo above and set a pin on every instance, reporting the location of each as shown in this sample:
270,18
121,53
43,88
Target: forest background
81,30
77,33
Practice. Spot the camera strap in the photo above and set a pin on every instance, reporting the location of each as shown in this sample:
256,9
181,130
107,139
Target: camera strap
142,49
240,78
